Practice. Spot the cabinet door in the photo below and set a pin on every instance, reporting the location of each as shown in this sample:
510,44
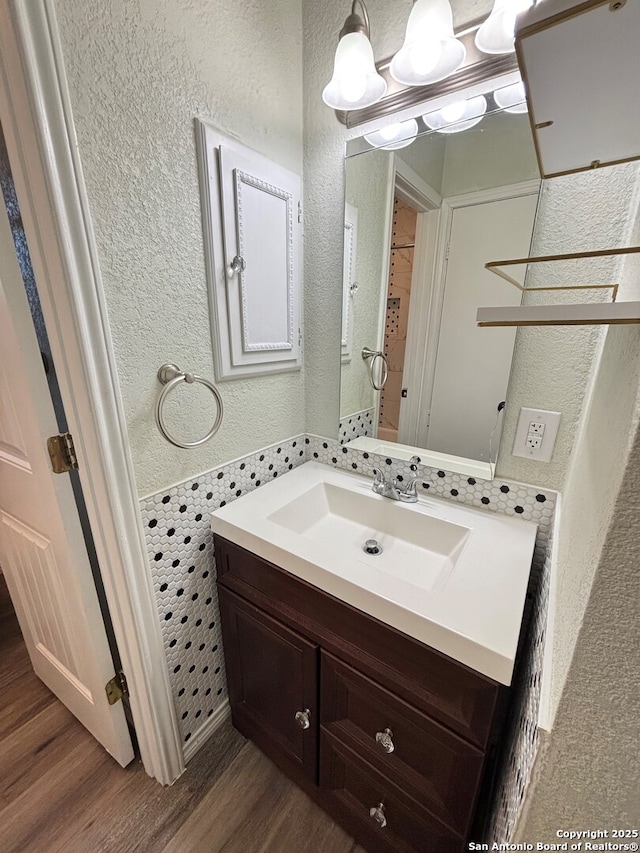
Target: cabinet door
272,673
252,219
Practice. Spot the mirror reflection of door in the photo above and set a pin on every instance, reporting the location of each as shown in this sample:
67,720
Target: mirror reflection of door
471,367
396,318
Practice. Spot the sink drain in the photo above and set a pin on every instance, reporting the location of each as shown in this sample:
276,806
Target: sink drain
372,546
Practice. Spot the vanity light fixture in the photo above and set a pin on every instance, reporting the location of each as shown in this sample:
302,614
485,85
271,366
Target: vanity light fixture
394,136
512,99
355,83
496,34
456,117
430,51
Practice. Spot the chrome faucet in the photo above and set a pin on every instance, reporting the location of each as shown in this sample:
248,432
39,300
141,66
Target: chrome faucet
392,489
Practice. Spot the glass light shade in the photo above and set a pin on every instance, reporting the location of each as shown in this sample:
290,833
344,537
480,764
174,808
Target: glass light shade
394,136
511,99
496,35
355,83
458,116
430,51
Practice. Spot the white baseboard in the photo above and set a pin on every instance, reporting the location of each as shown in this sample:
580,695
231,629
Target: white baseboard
199,738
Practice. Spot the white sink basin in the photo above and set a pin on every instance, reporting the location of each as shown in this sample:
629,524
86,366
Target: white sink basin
452,577
422,554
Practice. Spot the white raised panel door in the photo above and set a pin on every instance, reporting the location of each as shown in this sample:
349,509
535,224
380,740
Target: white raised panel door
42,549
252,230
472,367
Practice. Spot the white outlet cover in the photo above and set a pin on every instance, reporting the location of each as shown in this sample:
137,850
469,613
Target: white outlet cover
544,451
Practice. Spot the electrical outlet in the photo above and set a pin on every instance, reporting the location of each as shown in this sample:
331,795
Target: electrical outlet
536,434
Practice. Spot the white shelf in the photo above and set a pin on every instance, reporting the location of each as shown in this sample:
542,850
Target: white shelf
560,315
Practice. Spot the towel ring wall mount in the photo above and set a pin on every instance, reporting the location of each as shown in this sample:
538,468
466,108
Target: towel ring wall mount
371,356
170,375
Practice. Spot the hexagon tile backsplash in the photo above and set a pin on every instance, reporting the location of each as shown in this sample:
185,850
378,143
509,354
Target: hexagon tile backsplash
180,549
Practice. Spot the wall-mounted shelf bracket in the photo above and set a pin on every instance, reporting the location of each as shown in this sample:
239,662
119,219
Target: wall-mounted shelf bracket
560,314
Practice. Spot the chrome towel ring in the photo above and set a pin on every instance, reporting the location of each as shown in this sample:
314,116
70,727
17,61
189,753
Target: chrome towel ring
170,375
374,355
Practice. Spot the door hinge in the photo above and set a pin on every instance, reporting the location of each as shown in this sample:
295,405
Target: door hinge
116,688
62,453
299,213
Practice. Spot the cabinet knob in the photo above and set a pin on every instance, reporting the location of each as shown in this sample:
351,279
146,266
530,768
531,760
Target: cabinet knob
237,265
377,814
385,739
303,718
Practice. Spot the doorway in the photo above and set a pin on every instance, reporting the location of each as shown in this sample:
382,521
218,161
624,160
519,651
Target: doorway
396,320
51,574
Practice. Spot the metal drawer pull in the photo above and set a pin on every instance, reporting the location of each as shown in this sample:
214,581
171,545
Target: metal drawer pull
385,739
303,718
378,815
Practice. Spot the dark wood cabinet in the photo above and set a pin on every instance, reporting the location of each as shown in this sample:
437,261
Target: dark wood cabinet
272,674
395,740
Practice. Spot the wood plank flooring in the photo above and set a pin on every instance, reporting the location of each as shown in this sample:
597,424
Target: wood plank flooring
60,791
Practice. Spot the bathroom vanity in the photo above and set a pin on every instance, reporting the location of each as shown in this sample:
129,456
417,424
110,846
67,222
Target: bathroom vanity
396,739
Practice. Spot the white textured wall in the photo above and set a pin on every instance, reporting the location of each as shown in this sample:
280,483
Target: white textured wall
552,366
589,776
139,71
596,629
596,465
366,189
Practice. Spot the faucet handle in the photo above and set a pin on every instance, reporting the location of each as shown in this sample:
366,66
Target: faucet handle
379,476
414,462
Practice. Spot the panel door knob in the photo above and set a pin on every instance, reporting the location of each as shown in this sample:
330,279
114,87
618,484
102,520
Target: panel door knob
237,265
303,718
385,739
377,813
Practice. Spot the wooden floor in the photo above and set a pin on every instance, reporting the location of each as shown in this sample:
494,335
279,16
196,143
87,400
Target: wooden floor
60,791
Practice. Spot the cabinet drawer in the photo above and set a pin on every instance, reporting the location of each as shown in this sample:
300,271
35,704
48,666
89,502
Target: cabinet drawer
272,673
462,699
433,765
357,787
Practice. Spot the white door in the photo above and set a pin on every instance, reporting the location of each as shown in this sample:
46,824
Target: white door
42,550
472,368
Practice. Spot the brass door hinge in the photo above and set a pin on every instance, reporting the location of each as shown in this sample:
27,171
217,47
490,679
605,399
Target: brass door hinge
62,453
116,688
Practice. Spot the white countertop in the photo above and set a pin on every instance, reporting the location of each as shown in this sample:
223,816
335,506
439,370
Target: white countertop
467,605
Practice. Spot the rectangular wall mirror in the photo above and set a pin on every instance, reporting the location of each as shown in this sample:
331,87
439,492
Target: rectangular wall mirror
420,223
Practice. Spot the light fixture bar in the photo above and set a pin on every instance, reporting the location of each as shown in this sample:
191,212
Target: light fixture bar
477,68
